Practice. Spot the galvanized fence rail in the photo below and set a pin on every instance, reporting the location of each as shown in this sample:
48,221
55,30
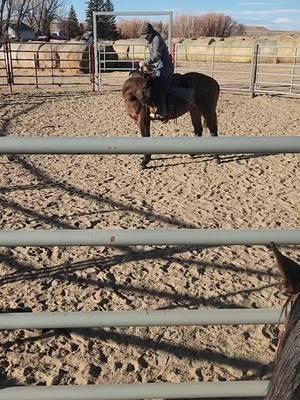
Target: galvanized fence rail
274,77
232,76
47,64
154,145
138,391
258,70
141,237
157,237
107,319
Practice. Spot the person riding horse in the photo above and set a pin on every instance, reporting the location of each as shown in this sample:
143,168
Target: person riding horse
161,61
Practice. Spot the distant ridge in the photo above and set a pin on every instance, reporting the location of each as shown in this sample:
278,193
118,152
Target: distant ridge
262,31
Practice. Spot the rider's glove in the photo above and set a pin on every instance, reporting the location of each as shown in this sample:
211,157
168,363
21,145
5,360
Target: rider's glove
141,64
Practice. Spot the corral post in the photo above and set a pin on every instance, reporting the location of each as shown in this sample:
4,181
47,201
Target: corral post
104,56
254,70
293,70
92,65
99,65
132,64
96,49
36,71
176,56
170,29
8,64
52,72
213,61
174,53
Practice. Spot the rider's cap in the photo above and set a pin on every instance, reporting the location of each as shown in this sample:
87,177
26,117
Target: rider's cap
148,28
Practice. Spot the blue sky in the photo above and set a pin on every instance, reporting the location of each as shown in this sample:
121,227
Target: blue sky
273,14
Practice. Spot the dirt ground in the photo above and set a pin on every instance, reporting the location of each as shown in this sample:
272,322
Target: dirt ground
57,192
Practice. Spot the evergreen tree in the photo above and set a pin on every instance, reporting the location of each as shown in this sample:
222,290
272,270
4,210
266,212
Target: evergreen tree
72,26
110,26
93,5
106,25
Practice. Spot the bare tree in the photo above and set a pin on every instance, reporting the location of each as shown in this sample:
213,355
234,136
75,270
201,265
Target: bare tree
130,28
42,13
183,26
2,8
19,11
9,10
219,25
5,16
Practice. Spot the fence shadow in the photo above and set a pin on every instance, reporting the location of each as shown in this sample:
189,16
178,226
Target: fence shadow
6,381
66,272
46,179
197,159
155,344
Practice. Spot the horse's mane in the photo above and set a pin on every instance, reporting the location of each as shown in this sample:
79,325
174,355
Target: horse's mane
290,285
292,317
147,83
145,72
136,72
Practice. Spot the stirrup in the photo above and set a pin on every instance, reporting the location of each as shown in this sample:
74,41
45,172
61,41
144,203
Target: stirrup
158,117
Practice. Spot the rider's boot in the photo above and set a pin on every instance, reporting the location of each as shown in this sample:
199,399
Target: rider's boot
163,111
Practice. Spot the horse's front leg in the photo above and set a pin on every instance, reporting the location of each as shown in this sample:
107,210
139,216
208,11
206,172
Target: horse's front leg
144,125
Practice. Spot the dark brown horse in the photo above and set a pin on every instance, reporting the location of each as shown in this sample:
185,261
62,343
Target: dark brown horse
285,381
196,93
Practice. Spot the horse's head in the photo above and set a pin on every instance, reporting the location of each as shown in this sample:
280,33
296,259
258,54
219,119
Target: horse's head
284,383
145,72
289,271
143,84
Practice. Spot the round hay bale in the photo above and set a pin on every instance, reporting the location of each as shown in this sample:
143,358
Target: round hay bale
234,50
14,47
73,57
126,48
23,54
108,56
195,50
121,47
268,50
138,48
204,49
48,57
2,60
287,49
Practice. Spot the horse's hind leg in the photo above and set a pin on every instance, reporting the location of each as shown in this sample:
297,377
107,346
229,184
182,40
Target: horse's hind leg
144,125
196,121
212,124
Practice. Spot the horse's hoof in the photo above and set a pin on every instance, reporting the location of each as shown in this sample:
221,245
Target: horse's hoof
144,164
217,160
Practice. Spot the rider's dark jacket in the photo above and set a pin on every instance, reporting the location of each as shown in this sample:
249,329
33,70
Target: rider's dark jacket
160,59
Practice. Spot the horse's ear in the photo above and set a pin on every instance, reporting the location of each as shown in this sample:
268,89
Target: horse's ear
289,271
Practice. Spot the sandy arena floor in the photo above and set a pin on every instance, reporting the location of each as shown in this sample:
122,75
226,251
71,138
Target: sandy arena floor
56,192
